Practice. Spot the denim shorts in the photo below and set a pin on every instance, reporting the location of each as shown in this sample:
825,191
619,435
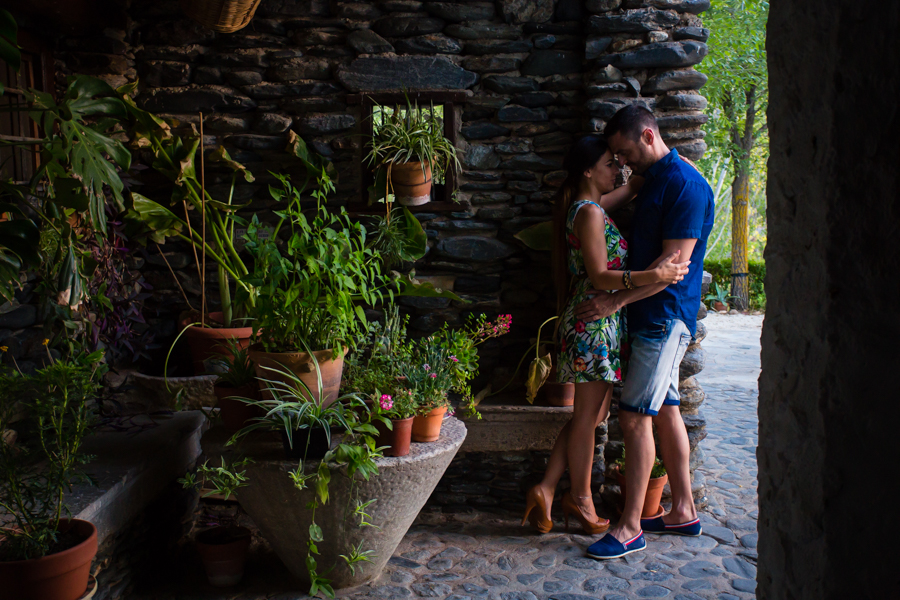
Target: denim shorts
652,378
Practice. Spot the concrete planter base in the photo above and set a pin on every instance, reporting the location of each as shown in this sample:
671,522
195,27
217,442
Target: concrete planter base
279,510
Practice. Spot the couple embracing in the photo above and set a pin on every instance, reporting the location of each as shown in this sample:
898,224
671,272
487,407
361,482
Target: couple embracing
657,276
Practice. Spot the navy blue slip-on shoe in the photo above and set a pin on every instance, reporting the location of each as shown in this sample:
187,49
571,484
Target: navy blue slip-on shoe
690,529
609,547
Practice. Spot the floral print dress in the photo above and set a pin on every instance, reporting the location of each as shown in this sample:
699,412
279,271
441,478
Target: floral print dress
591,351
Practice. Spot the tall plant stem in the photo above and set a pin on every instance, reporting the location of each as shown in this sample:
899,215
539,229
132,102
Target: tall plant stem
203,230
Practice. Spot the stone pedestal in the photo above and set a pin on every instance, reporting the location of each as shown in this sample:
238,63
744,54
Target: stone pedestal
281,511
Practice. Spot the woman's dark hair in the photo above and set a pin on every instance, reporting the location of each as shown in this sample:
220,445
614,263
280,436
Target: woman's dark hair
584,154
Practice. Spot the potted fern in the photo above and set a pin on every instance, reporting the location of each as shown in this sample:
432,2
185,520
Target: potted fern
658,479
410,151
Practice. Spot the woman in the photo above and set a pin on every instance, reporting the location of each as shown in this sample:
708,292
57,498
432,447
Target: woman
589,253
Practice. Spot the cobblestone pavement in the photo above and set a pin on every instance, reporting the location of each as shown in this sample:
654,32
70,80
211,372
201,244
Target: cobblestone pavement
479,556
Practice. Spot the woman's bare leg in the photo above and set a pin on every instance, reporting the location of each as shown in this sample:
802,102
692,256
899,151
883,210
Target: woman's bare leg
591,407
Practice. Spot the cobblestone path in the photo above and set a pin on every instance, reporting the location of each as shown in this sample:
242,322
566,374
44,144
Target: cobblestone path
480,556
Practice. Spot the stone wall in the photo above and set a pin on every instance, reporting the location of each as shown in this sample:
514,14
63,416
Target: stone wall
827,405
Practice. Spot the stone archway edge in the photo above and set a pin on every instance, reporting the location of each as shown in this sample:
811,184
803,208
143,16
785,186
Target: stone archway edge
401,488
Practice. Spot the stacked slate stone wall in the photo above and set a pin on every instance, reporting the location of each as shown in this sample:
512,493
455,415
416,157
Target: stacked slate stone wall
538,71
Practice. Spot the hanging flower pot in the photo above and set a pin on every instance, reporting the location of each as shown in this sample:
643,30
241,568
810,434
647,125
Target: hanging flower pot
224,16
411,183
427,427
60,576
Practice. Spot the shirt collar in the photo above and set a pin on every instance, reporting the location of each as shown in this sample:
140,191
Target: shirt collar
661,165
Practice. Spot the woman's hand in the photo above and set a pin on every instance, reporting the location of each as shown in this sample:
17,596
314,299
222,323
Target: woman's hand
669,271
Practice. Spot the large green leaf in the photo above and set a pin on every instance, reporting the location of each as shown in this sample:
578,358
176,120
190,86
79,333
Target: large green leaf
220,154
9,47
70,194
415,242
538,372
409,286
69,288
538,236
21,237
162,222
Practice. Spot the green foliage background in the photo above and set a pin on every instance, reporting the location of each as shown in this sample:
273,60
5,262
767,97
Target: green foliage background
736,63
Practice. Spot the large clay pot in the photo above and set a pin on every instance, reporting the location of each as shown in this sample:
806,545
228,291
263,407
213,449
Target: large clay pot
411,186
209,344
397,439
60,576
223,551
559,394
308,443
427,427
651,498
235,413
301,365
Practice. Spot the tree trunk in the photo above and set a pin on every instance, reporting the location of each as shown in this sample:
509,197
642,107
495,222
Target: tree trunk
740,230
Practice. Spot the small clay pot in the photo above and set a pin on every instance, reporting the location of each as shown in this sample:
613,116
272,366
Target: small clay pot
235,414
209,344
397,439
60,576
559,394
720,307
307,443
223,551
427,427
651,498
411,186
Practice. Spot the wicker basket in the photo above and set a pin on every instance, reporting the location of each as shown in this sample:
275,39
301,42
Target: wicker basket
224,16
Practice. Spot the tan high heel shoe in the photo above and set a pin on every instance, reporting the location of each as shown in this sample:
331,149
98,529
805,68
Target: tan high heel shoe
537,518
570,507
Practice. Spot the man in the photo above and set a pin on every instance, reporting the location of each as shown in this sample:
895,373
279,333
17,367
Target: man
674,212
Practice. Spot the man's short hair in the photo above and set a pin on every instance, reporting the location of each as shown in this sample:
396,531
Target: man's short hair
631,122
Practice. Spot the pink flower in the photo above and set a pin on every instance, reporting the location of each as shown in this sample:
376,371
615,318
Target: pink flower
427,367
387,403
454,359
433,375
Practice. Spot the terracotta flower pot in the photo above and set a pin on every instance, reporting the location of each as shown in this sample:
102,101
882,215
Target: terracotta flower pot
411,186
397,439
208,344
427,427
559,394
651,498
720,306
235,413
223,551
60,576
301,365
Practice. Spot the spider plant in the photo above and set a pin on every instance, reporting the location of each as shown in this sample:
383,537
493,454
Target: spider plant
240,370
291,409
411,134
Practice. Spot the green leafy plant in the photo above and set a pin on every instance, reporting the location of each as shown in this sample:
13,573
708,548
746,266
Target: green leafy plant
658,469
410,134
240,370
310,290
357,555
46,461
223,480
718,295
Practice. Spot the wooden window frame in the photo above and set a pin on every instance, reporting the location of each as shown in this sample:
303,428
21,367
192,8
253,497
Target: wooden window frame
450,100
40,76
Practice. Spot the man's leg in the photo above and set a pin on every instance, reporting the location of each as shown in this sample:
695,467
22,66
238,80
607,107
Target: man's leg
675,450
639,453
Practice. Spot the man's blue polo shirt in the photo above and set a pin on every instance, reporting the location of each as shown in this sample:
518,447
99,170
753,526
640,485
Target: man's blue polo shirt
675,203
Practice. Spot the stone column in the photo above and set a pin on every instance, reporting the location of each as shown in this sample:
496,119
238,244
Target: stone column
828,409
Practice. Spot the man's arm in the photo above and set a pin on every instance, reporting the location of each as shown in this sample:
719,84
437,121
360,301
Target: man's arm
603,304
